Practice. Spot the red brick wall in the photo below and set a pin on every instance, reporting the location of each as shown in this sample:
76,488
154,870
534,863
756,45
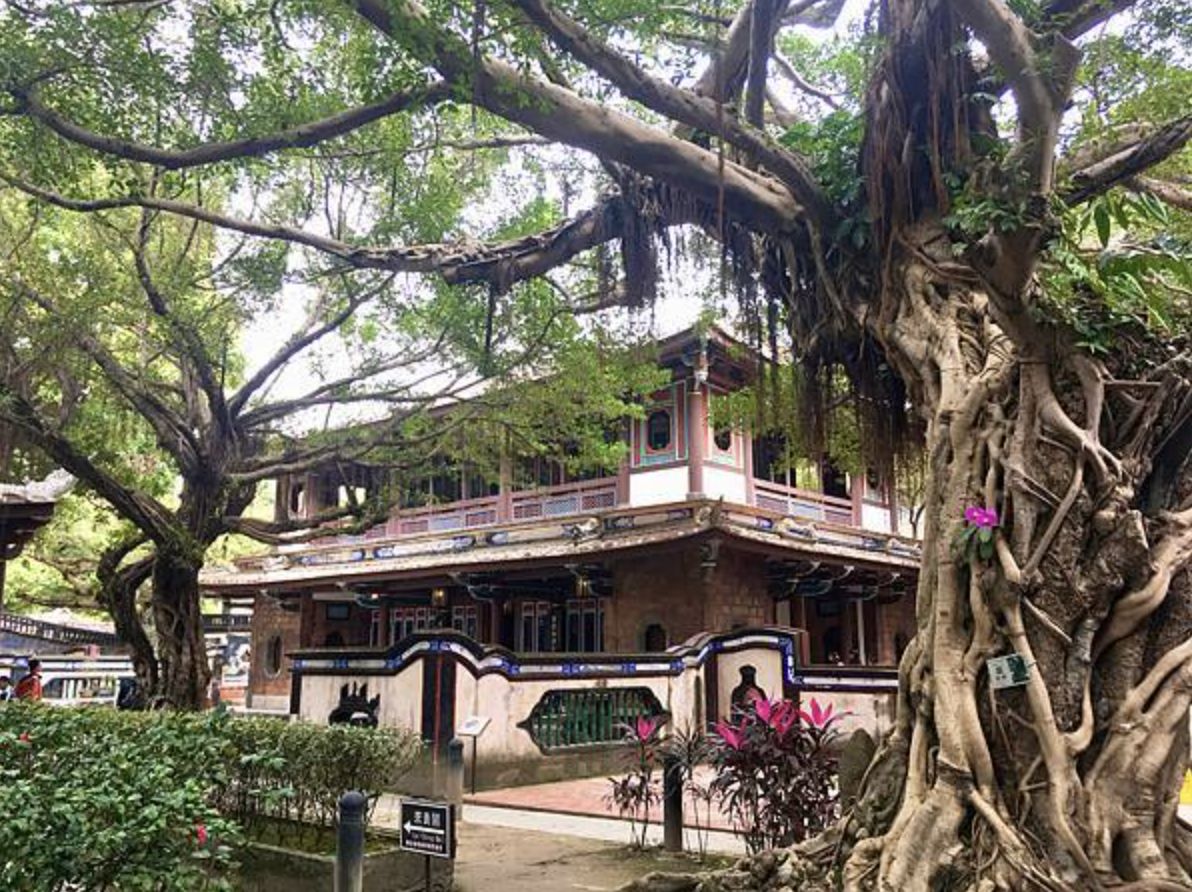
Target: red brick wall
737,592
664,588
894,619
268,620
675,590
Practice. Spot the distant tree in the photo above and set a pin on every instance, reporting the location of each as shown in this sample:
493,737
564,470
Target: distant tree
124,366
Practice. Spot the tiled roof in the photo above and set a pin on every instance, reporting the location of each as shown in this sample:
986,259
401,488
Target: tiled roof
567,539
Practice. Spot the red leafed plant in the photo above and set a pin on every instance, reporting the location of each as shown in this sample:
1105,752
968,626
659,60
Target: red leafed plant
634,793
775,772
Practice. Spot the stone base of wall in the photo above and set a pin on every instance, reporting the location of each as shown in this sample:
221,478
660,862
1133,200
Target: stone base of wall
272,869
268,702
494,775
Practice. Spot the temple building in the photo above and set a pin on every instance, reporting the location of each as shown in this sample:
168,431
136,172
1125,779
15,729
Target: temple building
694,536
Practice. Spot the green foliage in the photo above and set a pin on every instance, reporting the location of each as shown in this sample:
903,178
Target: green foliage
1114,268
776,409
111,800
57,568
159,801
296,772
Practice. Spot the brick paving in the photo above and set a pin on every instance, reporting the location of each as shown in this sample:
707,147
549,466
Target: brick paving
584,796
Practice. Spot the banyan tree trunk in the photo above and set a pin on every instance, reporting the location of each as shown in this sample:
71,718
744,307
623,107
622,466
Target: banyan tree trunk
183,670
1071,780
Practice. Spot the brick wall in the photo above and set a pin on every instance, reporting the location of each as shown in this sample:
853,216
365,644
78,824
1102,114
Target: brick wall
269,620
661,588
675,590
897,619
736,592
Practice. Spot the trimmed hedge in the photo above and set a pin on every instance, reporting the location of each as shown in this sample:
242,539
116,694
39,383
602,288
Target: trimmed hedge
94,799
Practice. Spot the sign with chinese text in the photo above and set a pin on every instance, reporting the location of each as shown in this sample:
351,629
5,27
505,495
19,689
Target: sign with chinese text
1008,672
428,828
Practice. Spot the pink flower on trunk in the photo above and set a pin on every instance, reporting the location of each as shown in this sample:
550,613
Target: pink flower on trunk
819,717
24,737
646,726
201,834
985,518
733,738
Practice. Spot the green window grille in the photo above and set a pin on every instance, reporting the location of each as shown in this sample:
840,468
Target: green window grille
563,719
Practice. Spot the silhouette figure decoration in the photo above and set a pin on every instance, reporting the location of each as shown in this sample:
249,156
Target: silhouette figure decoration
355,708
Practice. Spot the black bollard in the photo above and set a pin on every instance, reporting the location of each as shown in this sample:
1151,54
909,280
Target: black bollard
454,792
672,805
349,849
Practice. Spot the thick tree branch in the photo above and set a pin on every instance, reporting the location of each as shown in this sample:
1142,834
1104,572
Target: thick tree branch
761,47
559,114
1039,89
685,107
302,136
173,433
146,513
1073,18
1103,175
497,263
281,532
1169,193
191,349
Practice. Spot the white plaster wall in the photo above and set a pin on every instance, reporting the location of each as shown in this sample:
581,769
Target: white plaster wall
401,696
872,712
722,483
509,703
875,518
658,487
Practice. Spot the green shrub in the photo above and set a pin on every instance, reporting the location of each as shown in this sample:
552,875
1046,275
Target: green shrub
110,800
297,771
103,800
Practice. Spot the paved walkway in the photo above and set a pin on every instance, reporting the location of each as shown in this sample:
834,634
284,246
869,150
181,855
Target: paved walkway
499,859
585,796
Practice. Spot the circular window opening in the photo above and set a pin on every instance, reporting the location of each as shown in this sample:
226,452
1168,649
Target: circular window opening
273,656
723,439
658,430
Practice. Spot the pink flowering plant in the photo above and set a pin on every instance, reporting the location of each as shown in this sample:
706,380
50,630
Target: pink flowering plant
775,772
633,794
976,538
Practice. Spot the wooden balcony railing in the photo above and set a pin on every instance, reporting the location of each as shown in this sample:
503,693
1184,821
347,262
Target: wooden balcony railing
803,503
569,498
461,515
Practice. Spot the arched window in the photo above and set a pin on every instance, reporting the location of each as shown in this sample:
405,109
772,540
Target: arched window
658,430
655,638
273,656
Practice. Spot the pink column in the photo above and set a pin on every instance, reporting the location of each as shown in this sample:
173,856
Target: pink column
747,457
505,488
697,439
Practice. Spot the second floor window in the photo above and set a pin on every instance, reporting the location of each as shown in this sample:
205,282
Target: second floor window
658,430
